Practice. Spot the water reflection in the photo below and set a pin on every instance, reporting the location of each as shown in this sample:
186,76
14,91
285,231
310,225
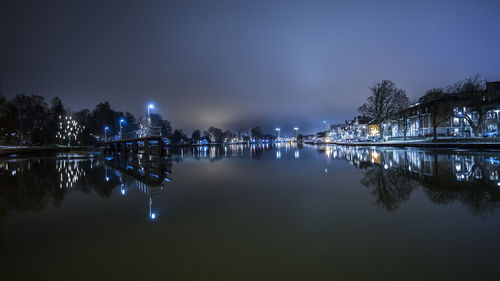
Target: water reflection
147,176
34,183
393,174
31,184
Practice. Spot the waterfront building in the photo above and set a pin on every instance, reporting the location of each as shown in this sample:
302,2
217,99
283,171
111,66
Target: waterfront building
462,115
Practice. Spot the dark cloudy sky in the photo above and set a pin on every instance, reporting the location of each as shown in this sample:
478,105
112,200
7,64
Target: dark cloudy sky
241,63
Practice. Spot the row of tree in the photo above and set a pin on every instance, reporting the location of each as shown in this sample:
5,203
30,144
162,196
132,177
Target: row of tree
30,120
387,101
217,135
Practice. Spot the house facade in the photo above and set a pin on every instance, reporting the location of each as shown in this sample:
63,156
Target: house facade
454,115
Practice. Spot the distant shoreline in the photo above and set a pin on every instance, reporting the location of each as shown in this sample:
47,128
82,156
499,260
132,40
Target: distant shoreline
36,150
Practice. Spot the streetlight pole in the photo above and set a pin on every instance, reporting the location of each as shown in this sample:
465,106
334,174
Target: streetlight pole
106,128
150,106
121,127
278,133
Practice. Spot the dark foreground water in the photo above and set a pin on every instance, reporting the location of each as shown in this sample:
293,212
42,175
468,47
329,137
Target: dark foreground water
253,213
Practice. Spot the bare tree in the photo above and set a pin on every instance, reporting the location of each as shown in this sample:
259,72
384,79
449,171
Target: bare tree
403,116
438,106
472,84
472,92
386,99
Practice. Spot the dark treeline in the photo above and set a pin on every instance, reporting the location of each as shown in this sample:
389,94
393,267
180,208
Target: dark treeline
31,120
217,135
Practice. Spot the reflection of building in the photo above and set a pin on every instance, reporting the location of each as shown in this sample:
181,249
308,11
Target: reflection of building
470,166
148,177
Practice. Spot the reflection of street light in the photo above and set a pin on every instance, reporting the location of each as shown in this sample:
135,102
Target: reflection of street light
152,215
122,186
106,173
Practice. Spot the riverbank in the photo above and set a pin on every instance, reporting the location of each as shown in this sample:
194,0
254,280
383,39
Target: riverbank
24,150
458,143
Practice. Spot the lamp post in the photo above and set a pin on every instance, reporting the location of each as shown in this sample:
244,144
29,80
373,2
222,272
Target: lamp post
296,132
150,106
121,127
461,123
498,121
278,134
106,128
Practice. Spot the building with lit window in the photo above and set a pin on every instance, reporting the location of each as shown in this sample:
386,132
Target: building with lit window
454,115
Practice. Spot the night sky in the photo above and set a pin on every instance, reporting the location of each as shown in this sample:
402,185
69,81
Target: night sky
237,64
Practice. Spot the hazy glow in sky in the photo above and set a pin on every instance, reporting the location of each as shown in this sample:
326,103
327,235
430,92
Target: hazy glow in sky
238,64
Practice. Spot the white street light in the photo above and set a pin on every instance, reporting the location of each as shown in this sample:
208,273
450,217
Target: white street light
121,127
148,120
150,106
106,128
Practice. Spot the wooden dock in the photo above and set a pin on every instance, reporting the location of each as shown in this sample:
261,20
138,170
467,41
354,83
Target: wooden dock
146,147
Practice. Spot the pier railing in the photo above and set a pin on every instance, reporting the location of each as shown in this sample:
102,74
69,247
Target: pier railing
141,133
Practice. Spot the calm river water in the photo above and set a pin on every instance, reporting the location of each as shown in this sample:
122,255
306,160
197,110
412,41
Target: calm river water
253,213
